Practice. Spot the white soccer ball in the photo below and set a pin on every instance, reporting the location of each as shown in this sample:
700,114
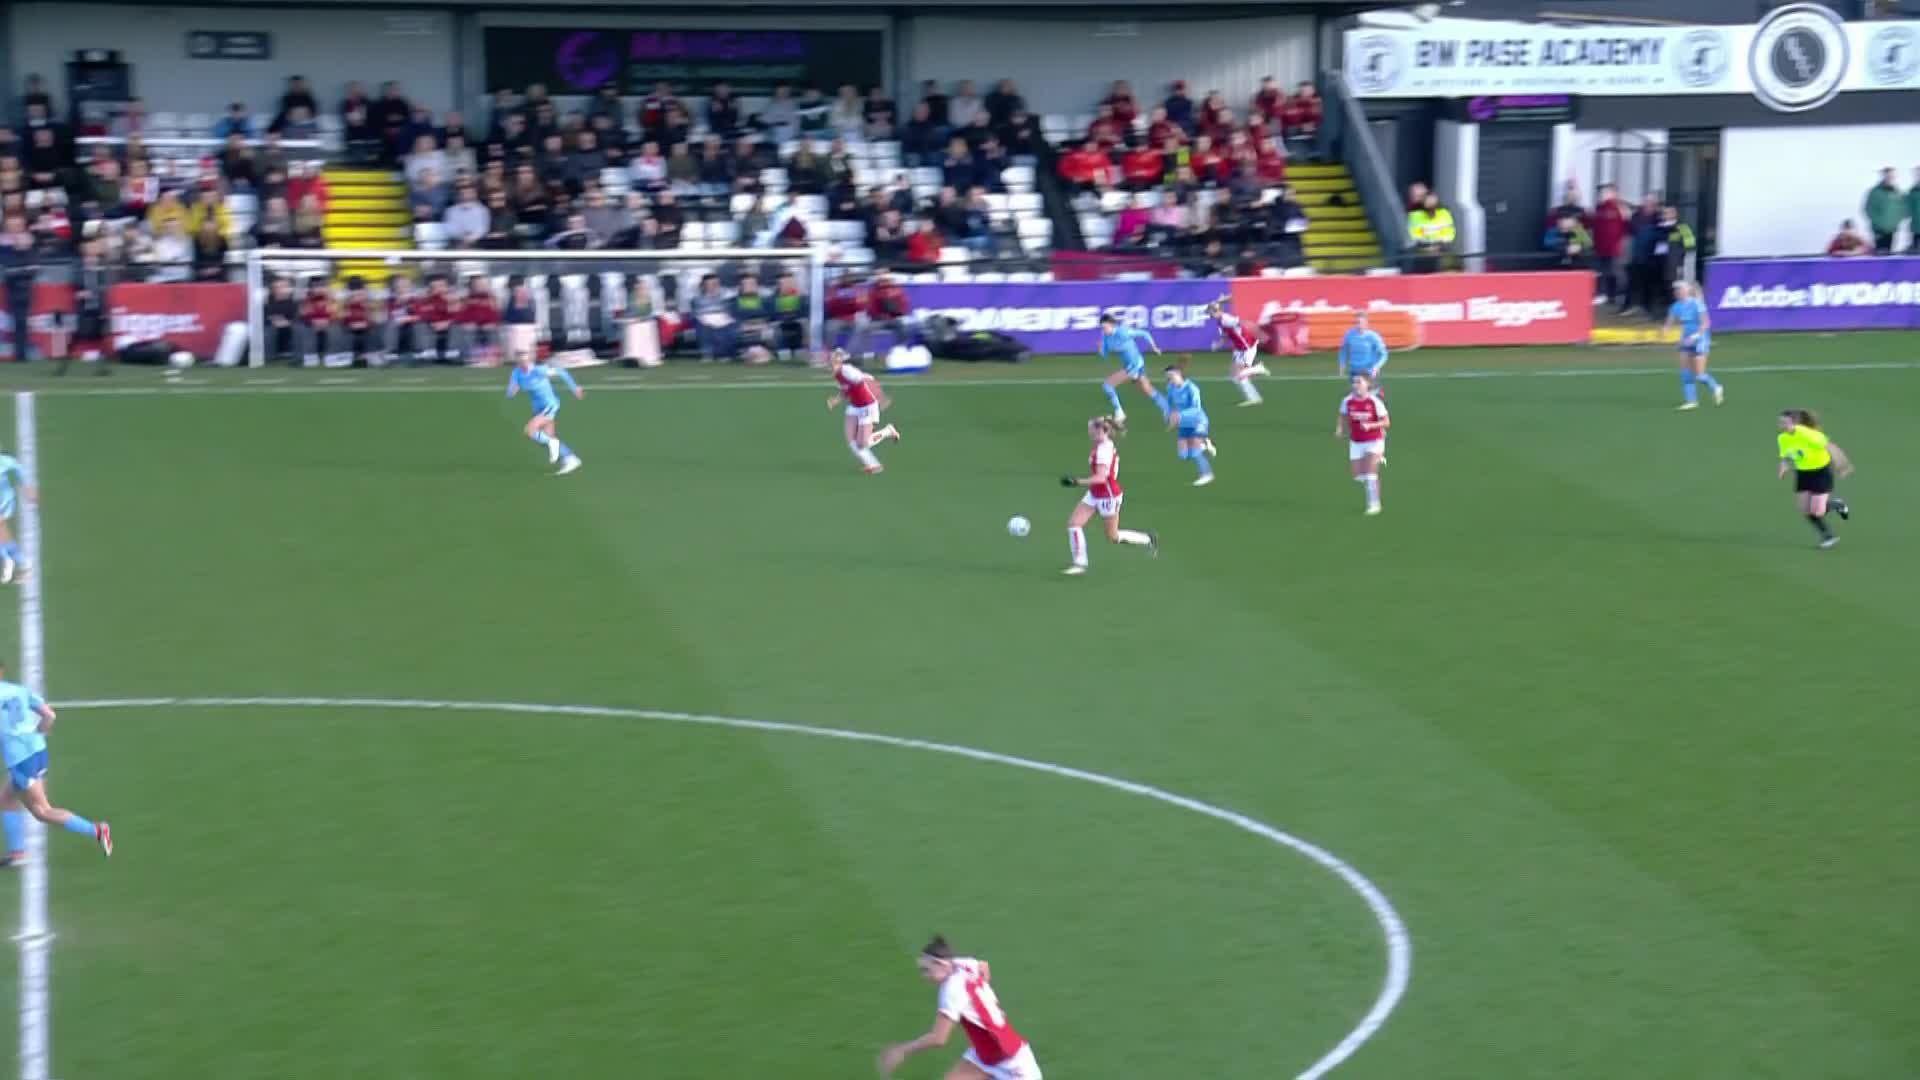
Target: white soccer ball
181,359
1018,526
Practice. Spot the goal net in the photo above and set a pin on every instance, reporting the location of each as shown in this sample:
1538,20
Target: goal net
348,307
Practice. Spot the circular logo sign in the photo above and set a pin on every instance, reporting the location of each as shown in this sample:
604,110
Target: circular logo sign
1798,57
1893,55
585,61
201,45
1375,64
1702,58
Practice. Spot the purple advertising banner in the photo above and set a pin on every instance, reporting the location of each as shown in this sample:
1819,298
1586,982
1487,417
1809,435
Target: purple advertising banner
1064,316
1864,293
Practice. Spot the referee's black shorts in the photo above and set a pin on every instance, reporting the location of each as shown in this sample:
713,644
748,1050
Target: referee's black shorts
1816,481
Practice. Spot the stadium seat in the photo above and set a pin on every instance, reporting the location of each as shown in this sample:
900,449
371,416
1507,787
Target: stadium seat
1018,178
163,124
1020,277
955,273
613,176
852,232
242,203
989,277
856,256
996,203
774,179
430,235
740,204
924,177
197,126
811,207
723,233
954,255
864,178
1025,202
1112,202
1036,227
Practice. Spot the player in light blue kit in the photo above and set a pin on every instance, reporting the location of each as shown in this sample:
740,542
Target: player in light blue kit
1696,339
537,380
25,719
1362,352
1188,419
14,482
1123,343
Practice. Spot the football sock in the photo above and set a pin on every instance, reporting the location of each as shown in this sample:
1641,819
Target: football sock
565,450
866,456
1132,536
1200,459
1077,545
11,550
77,824
1113,396
1246,388
1839,507
1707,380
1820,525
1160,399
1371,482
541,437
16,827
1688,391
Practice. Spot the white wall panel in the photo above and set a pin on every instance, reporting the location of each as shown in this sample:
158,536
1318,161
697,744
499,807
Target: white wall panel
328,47
1066,66
1785,190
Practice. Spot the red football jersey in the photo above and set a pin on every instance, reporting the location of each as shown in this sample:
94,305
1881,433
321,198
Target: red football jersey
1235,331
478,309
432,309
856,386
1366,417
968,1000
1105,455
316,309
357,313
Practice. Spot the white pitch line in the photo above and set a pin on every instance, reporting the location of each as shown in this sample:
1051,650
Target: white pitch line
36,935
372,384
1399,944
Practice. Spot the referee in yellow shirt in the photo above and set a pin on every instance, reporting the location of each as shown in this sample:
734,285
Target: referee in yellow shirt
1805,449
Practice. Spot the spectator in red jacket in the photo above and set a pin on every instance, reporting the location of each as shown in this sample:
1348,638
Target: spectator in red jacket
1106,129
1160,128
1087,168
1123,105
1270,161
1300,117
1269,100
923,247
1609,228
1209,165
1848,241
1142,168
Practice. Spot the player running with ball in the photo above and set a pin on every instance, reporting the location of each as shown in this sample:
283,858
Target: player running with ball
1363,423
537,380
996,1051
864,400
1103,497
1246,350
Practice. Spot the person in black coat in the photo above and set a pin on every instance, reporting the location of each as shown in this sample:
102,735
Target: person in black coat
18,263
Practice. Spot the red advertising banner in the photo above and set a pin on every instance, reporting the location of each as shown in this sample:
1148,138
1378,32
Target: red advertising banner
1548,308
192,315
189,314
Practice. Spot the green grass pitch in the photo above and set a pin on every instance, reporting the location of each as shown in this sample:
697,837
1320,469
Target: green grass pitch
1631,758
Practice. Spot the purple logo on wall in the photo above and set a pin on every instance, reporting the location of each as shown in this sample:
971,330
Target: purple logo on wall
1814,294
586,60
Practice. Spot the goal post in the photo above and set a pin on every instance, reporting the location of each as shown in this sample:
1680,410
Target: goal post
583,300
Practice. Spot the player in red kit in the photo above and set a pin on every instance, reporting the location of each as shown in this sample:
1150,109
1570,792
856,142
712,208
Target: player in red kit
1245,346
864,401
435,311
995,1050
480,315
1103,497
356,316
1363,423
316,319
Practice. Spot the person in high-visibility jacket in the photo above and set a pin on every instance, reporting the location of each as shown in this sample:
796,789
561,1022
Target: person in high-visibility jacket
1430,230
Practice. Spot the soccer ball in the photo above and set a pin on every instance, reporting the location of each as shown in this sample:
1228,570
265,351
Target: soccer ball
180,359
1018,526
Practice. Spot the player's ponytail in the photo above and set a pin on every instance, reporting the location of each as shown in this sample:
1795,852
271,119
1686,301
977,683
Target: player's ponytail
938,948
